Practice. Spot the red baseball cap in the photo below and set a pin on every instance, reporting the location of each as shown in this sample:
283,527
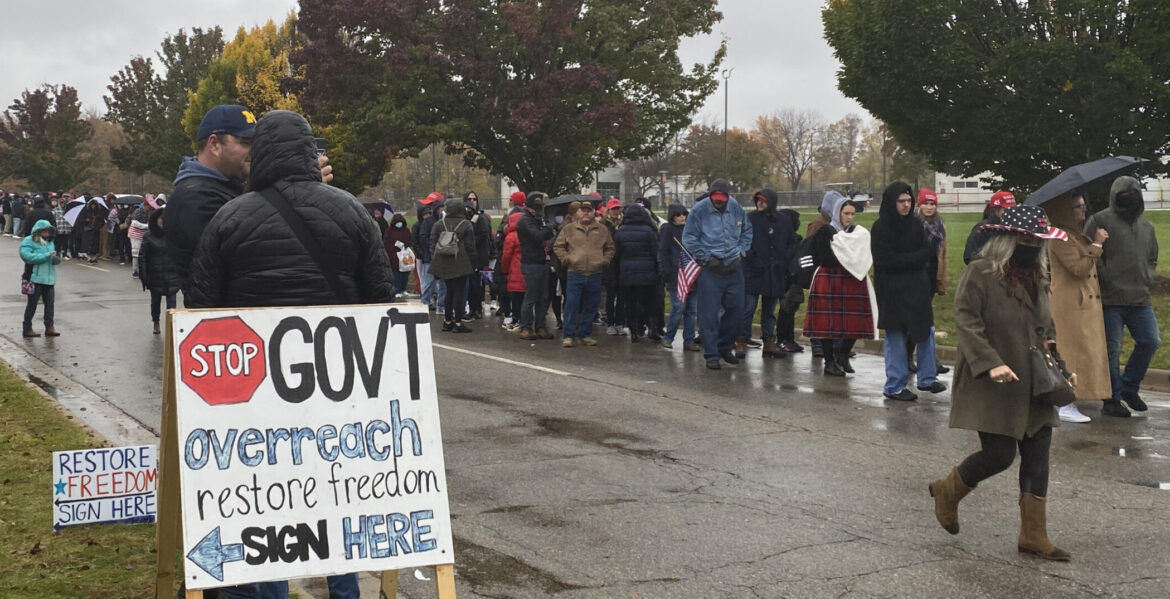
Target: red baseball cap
1002,199
613,203
518,198
927,195
431,198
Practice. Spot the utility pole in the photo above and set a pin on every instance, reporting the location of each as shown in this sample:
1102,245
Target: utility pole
726,83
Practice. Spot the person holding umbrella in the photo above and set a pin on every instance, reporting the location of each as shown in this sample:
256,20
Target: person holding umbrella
1126,270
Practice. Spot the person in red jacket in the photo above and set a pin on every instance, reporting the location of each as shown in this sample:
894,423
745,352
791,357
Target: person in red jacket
509,267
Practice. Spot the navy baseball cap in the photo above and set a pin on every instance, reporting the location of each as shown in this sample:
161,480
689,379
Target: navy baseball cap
231,119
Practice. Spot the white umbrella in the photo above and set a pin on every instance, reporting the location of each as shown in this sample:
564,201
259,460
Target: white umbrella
77,206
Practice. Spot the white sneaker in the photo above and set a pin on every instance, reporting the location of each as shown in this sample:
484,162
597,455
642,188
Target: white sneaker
611,330
1070,413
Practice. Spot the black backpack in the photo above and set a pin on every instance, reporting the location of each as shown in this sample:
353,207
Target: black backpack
803,264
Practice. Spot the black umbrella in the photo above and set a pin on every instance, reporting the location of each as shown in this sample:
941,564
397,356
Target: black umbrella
1080,176
570,198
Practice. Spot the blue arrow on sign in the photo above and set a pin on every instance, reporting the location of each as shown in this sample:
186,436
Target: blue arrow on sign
210,554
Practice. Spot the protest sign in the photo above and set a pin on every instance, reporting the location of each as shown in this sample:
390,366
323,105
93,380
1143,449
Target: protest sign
108,484
308,443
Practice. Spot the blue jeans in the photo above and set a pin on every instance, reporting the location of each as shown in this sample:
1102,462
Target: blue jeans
400,281
256,590
897,366
767,316
1143,327
344,586
582,294
718,294
432,288
686,313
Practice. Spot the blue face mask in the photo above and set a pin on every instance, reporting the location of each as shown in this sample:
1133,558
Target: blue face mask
399,225
559,219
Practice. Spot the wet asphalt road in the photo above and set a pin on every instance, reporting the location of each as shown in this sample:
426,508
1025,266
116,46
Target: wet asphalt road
627,470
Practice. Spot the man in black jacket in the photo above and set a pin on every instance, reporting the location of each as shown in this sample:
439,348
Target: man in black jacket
40,211
485,252
535,236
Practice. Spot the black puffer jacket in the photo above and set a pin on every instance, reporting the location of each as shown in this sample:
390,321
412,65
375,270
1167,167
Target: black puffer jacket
156,270
901,281
637,248
198,196
249,256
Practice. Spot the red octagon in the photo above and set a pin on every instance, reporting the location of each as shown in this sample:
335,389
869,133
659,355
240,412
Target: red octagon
222,360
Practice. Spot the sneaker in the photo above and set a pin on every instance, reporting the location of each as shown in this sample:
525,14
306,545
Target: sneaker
935,387
588,341
730,358
1114,408
1070,413
67,258
1134,401
790,347
624,331
713,364
448,327
667,343
494,307
597,322
693,347
903,395
942,369
460,328
611,330
569,342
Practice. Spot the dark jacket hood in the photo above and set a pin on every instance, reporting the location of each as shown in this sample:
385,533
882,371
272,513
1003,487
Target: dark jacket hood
674,210
770,197
720,185
793,216
635,214
889,207
422,212
283,150
453,209
397,218
152,222
1131,203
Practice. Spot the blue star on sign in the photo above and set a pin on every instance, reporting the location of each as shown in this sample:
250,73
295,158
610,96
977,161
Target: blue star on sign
59,486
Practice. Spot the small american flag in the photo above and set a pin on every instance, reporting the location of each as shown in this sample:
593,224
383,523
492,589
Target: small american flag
688,271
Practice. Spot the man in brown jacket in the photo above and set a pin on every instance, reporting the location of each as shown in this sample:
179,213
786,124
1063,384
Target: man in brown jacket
584,247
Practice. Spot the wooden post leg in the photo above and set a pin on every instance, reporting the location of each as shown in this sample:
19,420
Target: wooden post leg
389,588
168,526
445,580
194,595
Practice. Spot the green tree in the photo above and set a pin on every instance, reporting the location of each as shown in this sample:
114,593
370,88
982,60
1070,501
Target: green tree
1022,89
544,93
701,156
42,137
149,105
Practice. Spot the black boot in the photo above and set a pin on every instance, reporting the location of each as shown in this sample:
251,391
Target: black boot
843,362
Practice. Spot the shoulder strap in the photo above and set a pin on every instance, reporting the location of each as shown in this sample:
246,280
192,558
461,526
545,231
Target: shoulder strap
276,198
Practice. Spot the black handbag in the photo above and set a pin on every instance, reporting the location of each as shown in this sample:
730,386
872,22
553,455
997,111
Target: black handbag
1049,384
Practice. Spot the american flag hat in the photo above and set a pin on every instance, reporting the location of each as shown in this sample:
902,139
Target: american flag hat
1028,220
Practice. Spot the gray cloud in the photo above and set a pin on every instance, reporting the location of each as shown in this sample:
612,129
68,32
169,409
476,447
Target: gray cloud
775,46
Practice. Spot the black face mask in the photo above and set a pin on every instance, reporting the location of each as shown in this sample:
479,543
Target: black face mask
1025,256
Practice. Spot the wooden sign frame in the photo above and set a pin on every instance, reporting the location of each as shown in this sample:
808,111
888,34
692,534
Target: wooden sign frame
169,523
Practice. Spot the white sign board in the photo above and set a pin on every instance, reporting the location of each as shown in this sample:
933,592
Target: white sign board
107,484
309,443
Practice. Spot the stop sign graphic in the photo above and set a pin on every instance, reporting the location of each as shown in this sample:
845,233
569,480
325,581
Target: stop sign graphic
222,360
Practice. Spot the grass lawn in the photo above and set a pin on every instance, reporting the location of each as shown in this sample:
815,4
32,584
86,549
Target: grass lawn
36,562
959,224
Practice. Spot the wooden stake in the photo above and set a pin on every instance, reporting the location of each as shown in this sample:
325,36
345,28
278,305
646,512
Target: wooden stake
168,524
445,581
389,588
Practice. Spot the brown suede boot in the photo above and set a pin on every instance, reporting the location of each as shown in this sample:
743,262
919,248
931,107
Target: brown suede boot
770,347
29,334
1034,530
542,333
527,334
51,332
739,348
947,493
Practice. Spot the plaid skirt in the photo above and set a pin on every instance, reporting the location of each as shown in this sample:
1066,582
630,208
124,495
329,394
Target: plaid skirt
839,306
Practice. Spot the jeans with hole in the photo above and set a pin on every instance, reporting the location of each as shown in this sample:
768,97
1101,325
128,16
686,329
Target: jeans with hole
721,301
582,296
686,313
898,366
1143,327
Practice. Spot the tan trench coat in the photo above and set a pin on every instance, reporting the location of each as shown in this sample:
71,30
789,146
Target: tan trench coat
1076,310
993,329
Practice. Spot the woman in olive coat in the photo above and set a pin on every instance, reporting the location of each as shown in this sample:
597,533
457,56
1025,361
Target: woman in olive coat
1001,310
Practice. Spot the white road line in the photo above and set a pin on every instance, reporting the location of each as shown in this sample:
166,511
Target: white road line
503,360
93,267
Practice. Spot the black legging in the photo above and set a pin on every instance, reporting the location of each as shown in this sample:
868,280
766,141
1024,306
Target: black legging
453,310
639,308
831,348
998,453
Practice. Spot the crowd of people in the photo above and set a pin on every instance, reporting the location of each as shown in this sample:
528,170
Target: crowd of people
1033,277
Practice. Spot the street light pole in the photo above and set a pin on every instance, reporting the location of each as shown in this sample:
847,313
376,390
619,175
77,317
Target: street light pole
726,83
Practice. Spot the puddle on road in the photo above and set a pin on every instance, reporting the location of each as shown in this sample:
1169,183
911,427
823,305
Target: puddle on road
589,432
43,384
487,570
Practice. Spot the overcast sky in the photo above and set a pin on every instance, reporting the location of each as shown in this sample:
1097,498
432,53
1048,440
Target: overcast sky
775,47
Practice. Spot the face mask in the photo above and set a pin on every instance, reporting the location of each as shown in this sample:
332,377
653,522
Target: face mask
559,219
1025,256
399,225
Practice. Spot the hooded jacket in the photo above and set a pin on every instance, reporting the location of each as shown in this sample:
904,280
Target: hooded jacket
459,265
485,247
765,268
670,245
711,233
421,233
249,256
156,270
902,281
393,235
200,191
535,237
510,256
39,253
636,242
1126,266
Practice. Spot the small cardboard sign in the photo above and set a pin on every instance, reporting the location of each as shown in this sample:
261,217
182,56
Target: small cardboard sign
309,443
103,485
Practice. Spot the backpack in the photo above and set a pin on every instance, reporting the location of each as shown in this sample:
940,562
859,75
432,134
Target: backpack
804,264
448,244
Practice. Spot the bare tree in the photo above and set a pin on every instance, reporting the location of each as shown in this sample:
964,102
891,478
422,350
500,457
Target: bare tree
646,174
792,138
842,145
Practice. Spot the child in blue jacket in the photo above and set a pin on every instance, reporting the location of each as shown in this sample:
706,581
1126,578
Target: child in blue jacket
40,257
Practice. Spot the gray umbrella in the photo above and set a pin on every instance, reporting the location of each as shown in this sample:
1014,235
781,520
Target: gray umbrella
1080,176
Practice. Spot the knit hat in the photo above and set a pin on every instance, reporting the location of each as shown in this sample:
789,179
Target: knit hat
927,195
1002,199
518,198
1027,220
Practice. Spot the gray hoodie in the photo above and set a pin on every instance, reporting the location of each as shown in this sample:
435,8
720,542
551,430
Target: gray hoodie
1126,266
